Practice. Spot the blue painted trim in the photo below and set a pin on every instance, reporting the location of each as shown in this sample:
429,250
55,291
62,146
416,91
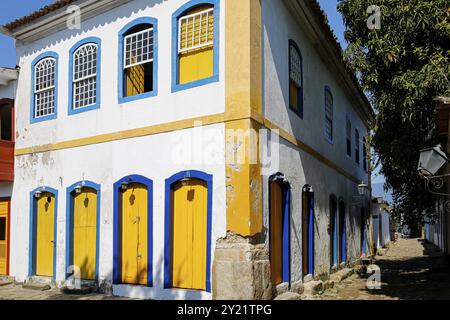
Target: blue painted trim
328,90
121,84
286,258
168,223
74,48
175,60
299,109
49,54
311,233
333,231
33,231
343,232
69,224
117,256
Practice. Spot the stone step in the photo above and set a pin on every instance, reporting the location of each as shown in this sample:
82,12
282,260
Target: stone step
4,283
313,288
289,296
84,290
36,286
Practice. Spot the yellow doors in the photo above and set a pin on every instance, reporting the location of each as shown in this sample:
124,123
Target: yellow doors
85,232
4,237
276,232
189,218
45,234
135,234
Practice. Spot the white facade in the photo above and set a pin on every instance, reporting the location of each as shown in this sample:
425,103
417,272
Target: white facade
300,167
381,225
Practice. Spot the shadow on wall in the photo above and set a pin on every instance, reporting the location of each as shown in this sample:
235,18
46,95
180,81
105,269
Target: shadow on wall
121,12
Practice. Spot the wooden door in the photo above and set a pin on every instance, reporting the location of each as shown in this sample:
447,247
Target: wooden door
135,235
4,237
45,231
276,232
189,218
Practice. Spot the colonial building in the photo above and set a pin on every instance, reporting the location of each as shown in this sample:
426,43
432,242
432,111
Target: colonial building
186,149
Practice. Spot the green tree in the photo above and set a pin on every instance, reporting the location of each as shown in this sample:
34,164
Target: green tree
403,66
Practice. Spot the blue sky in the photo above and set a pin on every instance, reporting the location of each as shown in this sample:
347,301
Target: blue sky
13,9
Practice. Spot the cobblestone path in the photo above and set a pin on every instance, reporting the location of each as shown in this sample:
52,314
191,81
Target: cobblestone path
410,270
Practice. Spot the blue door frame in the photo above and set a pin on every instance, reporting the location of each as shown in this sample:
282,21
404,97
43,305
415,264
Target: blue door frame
70,223
311,233
342,233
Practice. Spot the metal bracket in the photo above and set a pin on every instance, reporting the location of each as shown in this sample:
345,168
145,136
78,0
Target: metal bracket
435,183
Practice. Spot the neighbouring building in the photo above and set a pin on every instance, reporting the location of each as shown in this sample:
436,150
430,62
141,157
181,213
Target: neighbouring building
7,92
437,229
186,149
382,223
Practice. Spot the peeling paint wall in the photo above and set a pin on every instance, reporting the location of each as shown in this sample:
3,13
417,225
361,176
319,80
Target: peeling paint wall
299,167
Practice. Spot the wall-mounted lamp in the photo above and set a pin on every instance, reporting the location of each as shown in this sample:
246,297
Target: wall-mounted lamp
79,187
124,185
185,181
37,194
362,189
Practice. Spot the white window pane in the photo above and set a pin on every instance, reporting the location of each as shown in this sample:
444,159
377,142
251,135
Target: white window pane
44,97
196,30
138,48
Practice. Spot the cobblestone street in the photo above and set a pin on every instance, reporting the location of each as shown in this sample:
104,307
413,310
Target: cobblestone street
410,270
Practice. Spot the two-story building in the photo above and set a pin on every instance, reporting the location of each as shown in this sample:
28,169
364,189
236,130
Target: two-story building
186,149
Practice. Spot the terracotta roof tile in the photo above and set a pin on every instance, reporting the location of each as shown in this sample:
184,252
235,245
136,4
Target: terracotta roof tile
37,14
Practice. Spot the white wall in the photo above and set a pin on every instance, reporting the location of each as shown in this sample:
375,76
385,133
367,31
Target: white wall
381,226
300,167
111,116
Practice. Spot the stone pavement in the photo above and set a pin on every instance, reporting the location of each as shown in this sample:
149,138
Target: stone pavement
16,292
410,270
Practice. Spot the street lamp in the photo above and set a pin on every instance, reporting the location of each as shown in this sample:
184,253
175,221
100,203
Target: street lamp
431,161
362,189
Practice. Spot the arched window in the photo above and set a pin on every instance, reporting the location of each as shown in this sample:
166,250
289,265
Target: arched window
329,114
196,44
138,59
365,165
348,127
357,150
295,79
44,103
85,76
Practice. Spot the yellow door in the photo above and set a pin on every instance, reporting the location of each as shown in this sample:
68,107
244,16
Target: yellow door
134,235
45,234
85,232
276,236
189,216
4,245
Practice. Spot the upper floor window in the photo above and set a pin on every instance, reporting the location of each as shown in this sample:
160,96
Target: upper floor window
137,59
329,114
44,92
357,151
348,126
295,79
196,44
85,76
44,87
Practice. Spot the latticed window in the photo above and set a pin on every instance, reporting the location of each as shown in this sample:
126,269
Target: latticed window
85,76
138,60
196,44
328,114
349,136
357,150
296,79
44,88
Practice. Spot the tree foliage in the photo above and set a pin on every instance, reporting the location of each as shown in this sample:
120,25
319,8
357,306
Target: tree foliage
403,66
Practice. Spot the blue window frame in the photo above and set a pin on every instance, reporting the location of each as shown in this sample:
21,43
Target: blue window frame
128,30
348,129
44,95
295,79
84,75
33,230
357,150
175,54
70,223
329,115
